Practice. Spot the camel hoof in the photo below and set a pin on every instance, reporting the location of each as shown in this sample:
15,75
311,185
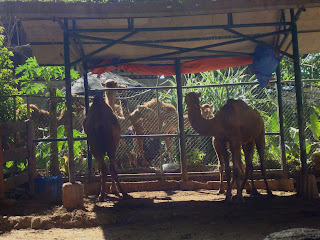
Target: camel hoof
270,194
253,192
238,199
221,191
101,198
126,196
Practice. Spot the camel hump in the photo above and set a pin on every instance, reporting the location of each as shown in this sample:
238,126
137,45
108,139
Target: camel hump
236,102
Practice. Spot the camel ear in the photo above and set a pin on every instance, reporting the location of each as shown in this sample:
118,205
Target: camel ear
212,107
198,95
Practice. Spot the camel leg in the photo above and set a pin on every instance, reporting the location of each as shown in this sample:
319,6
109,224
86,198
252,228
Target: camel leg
236,158
169,148
248,150
103,174
114,176
126,149
222,154
143,158
260,144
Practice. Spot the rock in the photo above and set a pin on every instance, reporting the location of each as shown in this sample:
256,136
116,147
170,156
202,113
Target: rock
295,234
36,223
24,222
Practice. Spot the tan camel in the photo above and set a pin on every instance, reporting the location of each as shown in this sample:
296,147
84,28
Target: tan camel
238,124
121,114
78,114
103,134
39,116
145,120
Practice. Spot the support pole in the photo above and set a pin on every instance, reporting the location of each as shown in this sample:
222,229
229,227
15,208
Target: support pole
281,128
68,100
298,86
182,139
86,99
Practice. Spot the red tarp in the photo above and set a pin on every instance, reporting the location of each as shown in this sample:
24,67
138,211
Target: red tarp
195,66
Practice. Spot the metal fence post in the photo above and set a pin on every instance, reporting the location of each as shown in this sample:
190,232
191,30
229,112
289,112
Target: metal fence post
182,139
281,128
68,100
86,100
298,86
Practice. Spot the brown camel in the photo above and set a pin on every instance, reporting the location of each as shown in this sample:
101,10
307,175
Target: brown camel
121,114
207,113
103,135
233,123
145,121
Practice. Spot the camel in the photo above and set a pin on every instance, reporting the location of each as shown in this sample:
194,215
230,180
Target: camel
121,114
78,115
39,116
103,135
238,124
145,119
207,113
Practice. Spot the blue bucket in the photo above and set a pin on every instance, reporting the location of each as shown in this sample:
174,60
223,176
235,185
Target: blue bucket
48,188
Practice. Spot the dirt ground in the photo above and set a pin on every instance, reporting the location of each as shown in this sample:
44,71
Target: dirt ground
170,215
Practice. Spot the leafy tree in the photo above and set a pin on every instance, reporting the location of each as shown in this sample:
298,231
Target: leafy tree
310,67
8,84
31,70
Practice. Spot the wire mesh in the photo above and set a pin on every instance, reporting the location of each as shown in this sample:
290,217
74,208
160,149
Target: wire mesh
149,112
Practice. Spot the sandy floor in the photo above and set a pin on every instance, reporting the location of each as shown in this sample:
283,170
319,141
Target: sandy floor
162,215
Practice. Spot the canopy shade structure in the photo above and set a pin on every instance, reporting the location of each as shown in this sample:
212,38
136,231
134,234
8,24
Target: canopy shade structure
168,33
157,33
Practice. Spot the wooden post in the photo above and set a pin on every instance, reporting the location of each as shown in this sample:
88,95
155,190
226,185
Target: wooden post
54,162
1,172
32,167
28,107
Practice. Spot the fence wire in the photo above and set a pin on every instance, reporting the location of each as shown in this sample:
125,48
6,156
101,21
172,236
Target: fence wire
154,112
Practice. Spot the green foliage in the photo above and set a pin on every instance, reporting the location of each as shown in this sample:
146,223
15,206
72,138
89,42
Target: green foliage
43,152
31,71
8,84
195,156
314,123
310,67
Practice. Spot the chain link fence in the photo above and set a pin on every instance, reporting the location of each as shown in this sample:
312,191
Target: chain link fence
153,112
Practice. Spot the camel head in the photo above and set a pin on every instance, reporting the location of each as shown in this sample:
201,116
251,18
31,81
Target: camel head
98,100
111,83
207,111
192,98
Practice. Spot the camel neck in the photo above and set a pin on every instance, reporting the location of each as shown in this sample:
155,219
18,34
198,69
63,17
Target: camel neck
205,127
111,98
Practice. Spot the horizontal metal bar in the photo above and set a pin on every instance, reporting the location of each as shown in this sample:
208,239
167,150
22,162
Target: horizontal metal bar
226,84
197,135
185,51
199,57
182,28
114,42
141,44
153,176
257,41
